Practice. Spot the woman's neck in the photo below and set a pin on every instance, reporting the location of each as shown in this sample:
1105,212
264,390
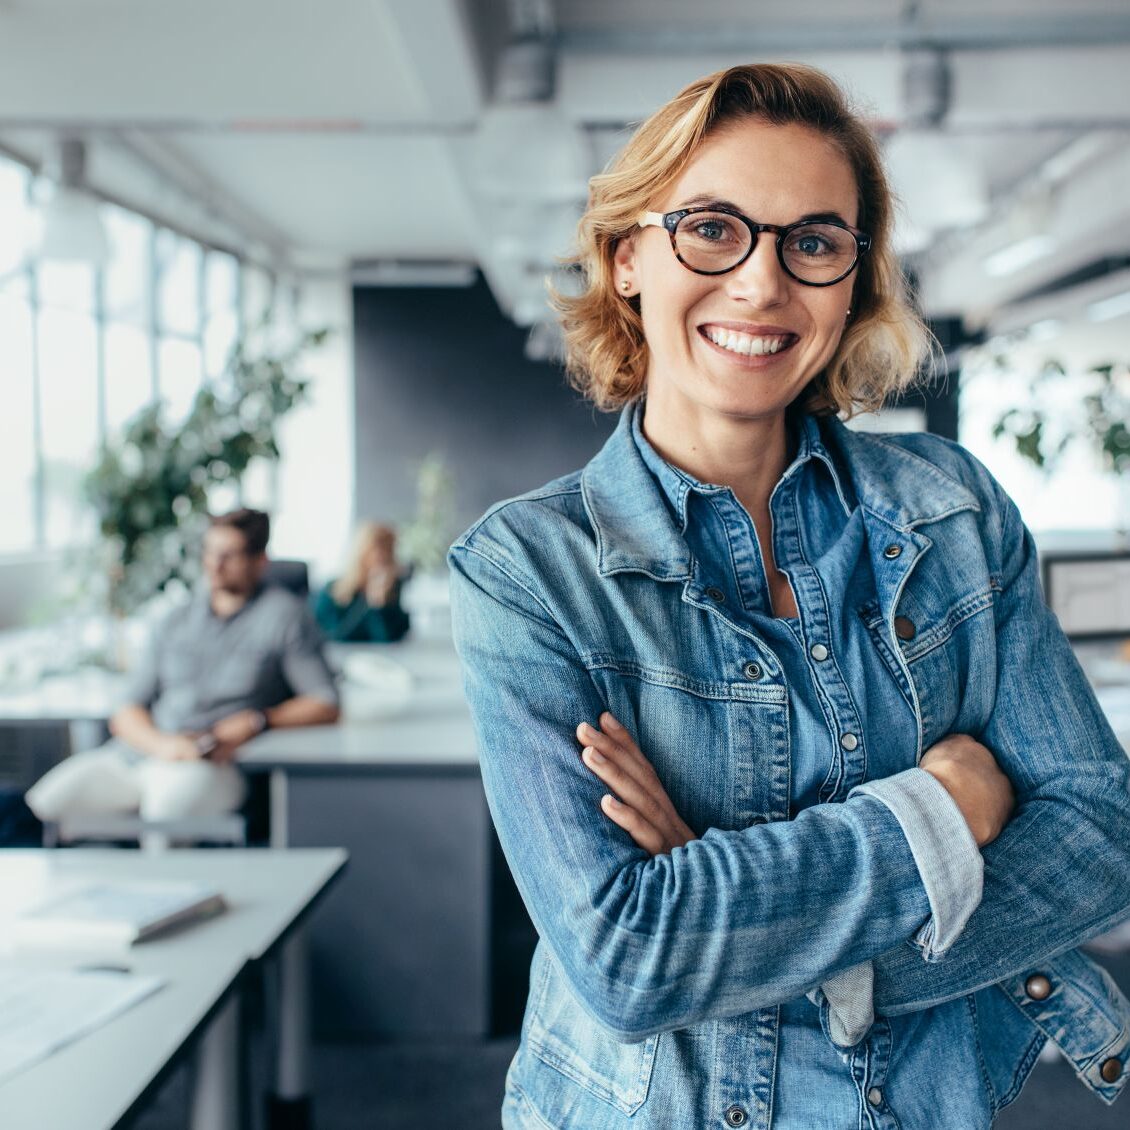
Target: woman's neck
747,455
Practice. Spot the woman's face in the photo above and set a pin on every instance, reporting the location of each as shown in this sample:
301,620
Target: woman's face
772,174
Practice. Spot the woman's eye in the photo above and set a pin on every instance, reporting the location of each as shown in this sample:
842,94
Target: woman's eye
810,245
712,230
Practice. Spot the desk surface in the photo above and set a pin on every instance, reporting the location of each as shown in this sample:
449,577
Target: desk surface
94,1081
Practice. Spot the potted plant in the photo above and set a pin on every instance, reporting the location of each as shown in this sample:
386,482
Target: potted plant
150,487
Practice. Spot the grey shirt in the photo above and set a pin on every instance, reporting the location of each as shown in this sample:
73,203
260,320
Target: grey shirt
201,668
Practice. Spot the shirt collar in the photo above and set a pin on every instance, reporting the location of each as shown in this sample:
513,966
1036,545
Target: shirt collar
637,502
677,485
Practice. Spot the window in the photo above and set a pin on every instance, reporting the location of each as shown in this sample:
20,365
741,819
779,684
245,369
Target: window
84,350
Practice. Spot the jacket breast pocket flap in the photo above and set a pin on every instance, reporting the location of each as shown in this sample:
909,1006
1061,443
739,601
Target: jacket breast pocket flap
563,1036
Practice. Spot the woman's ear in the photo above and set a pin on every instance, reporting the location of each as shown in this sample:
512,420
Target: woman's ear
624,266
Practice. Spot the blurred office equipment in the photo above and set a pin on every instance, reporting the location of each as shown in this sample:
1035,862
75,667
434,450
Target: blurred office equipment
1089,593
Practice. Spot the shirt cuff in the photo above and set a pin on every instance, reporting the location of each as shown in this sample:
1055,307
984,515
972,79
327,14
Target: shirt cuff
846,1003
949,861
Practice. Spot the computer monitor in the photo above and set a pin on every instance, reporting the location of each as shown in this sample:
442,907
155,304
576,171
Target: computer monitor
1089,593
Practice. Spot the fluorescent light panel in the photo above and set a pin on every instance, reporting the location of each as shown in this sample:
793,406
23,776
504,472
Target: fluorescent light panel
1015,256
1106,308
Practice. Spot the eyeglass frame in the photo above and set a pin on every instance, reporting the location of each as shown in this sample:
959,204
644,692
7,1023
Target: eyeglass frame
670,221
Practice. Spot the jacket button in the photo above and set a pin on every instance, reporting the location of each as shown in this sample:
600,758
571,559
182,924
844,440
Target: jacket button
759,820
849,741
892,551
818,652
736,1116
904,628
752,670
1038,987
1111,1070
716,594
875,1096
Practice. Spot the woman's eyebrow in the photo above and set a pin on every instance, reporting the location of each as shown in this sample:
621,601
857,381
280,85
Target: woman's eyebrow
730,206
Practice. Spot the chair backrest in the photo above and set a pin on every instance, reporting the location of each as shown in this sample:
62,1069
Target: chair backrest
292,575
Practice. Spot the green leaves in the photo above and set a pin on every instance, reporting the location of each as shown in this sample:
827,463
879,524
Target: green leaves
150,489
1101,420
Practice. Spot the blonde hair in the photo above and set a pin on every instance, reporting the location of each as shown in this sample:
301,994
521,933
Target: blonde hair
352,579
885,341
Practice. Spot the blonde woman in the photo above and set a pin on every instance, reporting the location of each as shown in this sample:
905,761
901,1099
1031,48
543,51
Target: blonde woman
363,604
807,797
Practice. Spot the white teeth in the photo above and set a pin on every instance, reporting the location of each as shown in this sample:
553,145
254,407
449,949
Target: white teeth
744,343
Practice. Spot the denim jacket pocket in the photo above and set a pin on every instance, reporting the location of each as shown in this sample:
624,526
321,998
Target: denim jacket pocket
563,1036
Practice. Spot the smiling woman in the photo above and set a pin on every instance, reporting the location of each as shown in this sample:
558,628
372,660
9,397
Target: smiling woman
796,773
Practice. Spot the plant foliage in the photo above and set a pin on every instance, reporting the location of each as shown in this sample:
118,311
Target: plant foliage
150,489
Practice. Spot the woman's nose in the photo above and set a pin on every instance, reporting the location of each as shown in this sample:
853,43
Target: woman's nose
760,280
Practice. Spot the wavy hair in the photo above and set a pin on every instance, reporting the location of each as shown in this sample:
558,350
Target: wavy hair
885,342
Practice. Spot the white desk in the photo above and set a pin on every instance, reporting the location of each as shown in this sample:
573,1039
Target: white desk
402,792
93,1083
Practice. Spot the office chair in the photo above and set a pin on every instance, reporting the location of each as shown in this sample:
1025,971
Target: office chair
289,574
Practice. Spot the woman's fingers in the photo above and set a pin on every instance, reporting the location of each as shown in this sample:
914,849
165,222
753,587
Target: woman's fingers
644,834
638,802
611,769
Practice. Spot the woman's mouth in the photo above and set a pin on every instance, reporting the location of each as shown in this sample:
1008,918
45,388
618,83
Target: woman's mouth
746,344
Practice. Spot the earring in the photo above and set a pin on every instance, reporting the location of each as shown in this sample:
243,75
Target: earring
626,285
847,316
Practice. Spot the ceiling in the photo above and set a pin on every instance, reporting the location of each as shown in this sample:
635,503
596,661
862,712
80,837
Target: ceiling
376,134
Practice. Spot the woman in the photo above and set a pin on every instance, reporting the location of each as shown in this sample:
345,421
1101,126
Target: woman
363,604
754,691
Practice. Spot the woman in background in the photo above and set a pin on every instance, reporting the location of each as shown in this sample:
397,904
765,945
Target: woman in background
363,604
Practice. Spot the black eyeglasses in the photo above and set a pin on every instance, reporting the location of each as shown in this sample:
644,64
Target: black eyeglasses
712,241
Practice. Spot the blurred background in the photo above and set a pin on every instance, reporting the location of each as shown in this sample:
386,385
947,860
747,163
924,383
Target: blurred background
294,256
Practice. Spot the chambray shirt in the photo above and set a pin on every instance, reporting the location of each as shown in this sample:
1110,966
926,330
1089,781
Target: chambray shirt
681,990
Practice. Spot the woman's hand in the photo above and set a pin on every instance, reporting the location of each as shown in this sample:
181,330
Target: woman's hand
970,774
640,805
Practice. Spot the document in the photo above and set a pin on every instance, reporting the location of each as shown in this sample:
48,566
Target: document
118,913
42,1010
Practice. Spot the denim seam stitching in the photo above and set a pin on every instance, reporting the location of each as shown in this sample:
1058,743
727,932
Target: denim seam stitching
502,567
971,1005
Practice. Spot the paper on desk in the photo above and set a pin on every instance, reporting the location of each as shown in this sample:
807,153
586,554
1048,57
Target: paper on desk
42,1010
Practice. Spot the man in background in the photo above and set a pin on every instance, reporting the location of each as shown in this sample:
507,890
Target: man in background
239,658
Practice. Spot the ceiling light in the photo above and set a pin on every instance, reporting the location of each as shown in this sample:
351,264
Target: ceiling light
1106,308
1016,256
72,221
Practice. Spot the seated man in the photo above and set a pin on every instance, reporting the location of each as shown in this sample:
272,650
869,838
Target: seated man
238,658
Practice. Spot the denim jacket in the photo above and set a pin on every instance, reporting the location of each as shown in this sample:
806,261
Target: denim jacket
656,985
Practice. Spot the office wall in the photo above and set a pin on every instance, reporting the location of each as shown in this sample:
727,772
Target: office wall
441,369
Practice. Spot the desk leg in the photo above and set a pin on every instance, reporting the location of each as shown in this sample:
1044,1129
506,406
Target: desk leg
278,807
215,1101
289,1107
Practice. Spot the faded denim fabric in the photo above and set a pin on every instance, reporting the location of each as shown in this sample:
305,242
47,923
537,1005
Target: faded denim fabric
659,986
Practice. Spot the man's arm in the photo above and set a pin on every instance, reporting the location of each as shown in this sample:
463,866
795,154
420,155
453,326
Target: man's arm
134,725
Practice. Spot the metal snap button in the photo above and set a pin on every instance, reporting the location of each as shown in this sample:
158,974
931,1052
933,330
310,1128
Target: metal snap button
875,1096
904,628
1111,1070
736,1116
849,741
752,670
759,820
818,652
892,551
1038,987
716,594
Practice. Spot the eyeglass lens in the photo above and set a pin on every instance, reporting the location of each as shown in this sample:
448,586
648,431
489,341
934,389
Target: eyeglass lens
812,252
